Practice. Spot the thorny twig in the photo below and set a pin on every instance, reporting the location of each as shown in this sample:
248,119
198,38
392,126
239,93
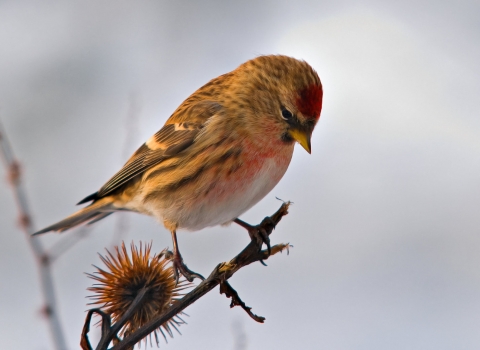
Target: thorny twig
251,253
42,258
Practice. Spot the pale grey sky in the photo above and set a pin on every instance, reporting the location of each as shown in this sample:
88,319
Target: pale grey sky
385,224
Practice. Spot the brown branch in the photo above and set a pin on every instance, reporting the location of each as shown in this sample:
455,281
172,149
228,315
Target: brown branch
109,333
251,253
106,321
42,258
227,289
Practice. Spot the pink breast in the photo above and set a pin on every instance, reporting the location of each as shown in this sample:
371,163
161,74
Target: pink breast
261,169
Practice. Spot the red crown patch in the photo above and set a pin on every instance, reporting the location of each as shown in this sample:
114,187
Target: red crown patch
309,101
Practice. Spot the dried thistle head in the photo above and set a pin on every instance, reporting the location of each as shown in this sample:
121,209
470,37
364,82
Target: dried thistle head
125,277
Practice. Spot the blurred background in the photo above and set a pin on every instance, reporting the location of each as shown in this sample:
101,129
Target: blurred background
385,224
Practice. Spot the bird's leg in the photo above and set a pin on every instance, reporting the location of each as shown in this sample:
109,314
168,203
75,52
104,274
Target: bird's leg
179,266
259,232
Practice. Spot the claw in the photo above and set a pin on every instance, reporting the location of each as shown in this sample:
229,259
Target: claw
261,231
268,223
179,267
266,240
169,255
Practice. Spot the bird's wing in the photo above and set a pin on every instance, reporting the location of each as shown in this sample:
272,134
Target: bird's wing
176,135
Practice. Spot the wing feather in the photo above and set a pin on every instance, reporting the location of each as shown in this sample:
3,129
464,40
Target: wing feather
175,136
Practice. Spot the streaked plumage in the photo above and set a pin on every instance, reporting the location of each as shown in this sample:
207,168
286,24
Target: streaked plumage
221,151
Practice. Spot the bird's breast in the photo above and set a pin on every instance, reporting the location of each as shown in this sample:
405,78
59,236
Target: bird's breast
234,185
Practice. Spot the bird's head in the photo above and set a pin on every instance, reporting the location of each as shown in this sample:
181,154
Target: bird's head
286,95
301,112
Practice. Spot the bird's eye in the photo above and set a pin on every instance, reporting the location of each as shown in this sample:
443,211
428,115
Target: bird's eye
286,114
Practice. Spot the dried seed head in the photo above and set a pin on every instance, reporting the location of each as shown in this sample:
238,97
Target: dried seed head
123,279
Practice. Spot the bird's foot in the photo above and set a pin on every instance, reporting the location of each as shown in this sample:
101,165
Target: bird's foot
179,268
261,232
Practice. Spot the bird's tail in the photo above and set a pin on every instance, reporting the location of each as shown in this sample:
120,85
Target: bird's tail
93,213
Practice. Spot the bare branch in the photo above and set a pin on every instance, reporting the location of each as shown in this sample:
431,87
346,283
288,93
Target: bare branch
109,333
25,220
227,289
67,242
251,253
106,321
122,224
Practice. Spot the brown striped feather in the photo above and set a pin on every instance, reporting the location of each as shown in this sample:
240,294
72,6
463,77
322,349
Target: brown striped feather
175,136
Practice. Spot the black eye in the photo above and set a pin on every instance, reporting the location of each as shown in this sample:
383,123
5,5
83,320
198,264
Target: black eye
286,114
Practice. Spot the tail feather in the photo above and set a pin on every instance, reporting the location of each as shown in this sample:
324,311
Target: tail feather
99,217
93,213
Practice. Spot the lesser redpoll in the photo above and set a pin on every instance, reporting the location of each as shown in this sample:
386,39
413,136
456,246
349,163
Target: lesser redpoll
223,149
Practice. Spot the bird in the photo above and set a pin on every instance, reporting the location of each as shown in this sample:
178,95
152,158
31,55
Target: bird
220,152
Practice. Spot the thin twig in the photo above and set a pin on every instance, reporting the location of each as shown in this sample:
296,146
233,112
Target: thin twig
122,224
251,253
43,259
109,333
106,321
227,289
67,242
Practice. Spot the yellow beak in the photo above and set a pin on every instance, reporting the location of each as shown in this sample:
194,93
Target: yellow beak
302,138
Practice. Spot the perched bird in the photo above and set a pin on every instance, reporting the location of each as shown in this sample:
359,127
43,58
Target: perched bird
222,150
